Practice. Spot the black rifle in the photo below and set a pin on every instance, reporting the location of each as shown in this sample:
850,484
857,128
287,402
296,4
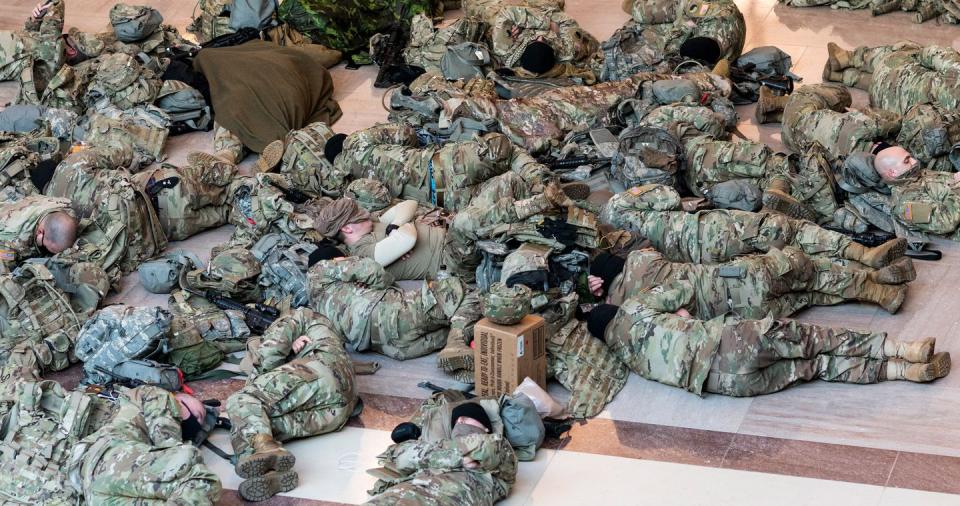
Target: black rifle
435,388
292,194
258,317
572,163
868,239
391,57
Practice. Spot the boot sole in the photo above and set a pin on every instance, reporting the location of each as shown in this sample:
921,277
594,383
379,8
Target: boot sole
265,487
455,362
786,205
270,157
577,191
262,465
464,376
941,364
893,306
896,273
894,252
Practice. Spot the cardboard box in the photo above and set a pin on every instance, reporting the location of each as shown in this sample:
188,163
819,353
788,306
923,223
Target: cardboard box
506,354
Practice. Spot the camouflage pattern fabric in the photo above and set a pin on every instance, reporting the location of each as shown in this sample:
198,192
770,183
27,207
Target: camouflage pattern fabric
16,163
586,367
213,21
712,236
198,201
358,296
428,45
348,26
310,394
733,356
818,114
927,203
775,284
227,145
513,27
139,454
119,333
18,226
305,163
143,128
35,54
232,272
259,208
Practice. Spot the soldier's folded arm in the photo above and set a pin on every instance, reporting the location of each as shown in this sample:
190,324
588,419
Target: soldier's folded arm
161,415
401,213
671,298
398,243
413,456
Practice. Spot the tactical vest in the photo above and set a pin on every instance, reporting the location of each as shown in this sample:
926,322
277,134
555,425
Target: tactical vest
647,155
586,367
40,432
213,21
33,309
15,165
283,275
304,161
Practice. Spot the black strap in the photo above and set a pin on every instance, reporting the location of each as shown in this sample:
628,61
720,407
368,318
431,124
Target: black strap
220,453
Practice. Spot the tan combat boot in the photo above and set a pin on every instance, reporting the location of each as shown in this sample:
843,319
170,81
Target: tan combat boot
270,157
837,57
777,199
878,256
577,191
900,271
267,456
264,487
889,297
455,355
207,162
918,352
722,68
769,106
830,75
897,369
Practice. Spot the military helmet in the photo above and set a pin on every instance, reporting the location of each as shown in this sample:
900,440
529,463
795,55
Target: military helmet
233,271
506,306
371,194
163,274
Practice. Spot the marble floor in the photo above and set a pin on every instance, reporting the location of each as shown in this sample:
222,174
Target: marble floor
887,444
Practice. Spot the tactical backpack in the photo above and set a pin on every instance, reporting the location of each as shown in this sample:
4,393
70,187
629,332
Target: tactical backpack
646,155
134,23
213,21
123,81
117,334
187,349
283,275
252,14
145,128
465,61
185,107
304,161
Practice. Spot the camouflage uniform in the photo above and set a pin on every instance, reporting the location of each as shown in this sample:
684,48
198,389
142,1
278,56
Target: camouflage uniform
392,154
659,28
259,208
776,284
358,296
733,356
429,470
18,160
713,236
18,226
928,203
35,54
921,83
818,113
196,203
286,398
140,454
427,44
586,367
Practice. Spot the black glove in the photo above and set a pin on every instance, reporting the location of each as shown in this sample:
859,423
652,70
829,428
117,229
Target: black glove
405,432
391,227
562,231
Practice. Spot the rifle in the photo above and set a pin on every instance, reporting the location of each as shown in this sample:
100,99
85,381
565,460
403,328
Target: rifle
258,317
391,55
572,163
435,388
868,239
292,194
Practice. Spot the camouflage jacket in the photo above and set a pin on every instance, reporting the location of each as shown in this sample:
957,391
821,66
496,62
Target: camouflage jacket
661,346
18,226
275,348
571,43
358,296
586,367
928,203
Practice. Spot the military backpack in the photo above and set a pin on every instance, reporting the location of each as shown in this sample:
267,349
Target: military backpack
120,333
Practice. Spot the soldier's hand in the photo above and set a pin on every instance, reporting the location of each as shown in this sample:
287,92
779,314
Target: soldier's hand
41,9
469,463
595,283
299,343
683,312
190,405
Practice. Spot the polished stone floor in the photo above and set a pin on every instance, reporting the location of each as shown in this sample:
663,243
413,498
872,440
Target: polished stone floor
887,444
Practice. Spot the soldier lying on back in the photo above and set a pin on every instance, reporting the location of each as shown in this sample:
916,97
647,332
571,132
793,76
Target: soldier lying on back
655,335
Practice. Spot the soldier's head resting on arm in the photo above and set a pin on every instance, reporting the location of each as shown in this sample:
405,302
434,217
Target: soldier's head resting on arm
470,418
894,162
56,232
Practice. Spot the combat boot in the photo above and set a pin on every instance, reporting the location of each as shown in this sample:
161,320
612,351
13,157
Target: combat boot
264,487
830,75
465,376
837,57
898,272
889,297
576,190
270,157
402,99
455,355
777,199
897,369
918,352
878,256
769,106
206,162
267,456
722,68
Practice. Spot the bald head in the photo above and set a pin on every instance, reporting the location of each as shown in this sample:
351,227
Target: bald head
893,162
57,231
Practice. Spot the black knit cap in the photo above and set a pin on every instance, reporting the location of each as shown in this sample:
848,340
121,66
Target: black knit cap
333,147
326,250
599,318
538,57
607,267
471,410
703,49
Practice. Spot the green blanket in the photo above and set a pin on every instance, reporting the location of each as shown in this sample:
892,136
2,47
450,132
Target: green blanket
261,91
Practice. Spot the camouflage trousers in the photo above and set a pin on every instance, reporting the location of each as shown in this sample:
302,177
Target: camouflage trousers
758,357
818,114
198,202
13,58
298,399
451,487
712,161
135,472
227,145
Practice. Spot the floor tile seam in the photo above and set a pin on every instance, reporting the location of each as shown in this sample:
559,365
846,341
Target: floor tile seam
896,459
